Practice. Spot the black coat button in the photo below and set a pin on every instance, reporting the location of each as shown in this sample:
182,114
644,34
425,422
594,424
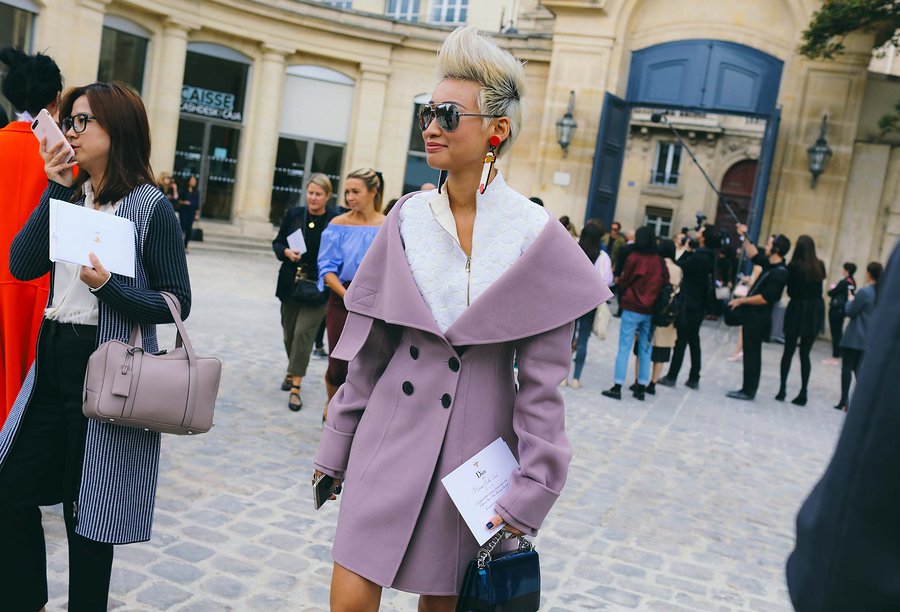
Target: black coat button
454,364
414,352
446,400
407,387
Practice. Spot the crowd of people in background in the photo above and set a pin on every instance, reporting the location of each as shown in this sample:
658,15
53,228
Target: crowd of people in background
697,278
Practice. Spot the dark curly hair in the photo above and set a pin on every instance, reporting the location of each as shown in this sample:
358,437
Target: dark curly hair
32,82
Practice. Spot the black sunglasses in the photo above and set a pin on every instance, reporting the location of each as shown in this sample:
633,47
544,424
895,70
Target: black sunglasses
446,114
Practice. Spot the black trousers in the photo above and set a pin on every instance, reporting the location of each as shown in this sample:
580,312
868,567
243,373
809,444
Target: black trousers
757,325
688,336
836,323
851,361
44,468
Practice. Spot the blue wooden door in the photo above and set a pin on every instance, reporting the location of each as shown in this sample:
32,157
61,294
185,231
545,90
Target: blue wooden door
763,171
608,158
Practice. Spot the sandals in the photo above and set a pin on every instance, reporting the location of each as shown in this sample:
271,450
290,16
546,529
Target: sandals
294,401
286,383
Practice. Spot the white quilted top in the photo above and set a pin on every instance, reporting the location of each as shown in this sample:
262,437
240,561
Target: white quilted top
506,223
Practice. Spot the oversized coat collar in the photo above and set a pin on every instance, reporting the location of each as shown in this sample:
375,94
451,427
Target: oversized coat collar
551,284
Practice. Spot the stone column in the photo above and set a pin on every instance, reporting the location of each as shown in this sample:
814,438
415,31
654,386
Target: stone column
80,64
365,135
164,105
260,139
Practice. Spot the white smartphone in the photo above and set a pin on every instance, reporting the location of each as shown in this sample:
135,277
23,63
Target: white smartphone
44,126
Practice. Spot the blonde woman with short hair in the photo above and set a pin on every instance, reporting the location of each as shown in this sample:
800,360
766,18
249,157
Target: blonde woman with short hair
437,311
300,322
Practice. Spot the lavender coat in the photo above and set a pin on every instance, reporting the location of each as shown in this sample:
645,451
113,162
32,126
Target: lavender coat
417,403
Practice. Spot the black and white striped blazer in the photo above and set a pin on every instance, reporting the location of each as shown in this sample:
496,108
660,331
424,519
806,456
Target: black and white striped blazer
121,465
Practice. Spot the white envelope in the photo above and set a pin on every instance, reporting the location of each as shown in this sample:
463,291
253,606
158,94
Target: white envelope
76,231
477,484
296,241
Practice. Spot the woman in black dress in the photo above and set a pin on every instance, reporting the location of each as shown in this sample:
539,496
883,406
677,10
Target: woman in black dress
804,318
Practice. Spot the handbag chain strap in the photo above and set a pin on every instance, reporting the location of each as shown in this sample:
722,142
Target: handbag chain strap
484,553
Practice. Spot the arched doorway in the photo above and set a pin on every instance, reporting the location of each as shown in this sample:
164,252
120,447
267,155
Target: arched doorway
737,190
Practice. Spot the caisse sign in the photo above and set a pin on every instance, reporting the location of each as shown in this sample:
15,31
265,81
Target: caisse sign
209,103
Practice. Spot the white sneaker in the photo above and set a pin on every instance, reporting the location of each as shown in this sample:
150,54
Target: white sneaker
564,383
832,361
736,357
575,384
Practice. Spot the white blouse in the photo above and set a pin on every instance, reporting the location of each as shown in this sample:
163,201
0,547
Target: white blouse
506,223
73,301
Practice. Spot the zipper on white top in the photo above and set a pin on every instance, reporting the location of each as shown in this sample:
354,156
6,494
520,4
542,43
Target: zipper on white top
468,277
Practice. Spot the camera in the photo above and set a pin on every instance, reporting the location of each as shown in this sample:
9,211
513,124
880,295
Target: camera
701,219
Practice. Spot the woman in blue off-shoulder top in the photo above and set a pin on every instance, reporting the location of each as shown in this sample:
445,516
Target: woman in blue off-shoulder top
344,244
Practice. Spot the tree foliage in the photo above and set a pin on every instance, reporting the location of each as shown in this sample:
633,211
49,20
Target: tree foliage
824,37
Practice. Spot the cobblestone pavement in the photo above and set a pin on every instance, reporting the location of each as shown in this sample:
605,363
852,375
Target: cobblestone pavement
683,502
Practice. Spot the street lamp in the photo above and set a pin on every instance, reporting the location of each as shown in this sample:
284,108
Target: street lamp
819,153
566,126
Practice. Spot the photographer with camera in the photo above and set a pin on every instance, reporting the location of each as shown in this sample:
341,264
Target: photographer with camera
756,308
697,265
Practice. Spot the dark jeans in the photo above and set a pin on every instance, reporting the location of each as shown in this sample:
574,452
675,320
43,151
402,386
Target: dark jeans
851,361
836,323
688,336
583,328
756,327
43,468
790,345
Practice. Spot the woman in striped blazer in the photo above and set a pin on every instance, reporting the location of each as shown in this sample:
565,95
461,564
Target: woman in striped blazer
104,475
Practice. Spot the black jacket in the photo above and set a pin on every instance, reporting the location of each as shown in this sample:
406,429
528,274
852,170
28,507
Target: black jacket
294,219
847,555
696,281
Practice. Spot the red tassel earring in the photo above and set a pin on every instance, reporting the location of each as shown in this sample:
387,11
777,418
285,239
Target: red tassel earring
489,160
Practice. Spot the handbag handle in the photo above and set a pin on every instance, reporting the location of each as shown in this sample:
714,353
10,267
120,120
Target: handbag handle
484,553
181,337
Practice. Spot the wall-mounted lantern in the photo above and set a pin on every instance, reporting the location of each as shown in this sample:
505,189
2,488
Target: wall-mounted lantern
566,126
819,153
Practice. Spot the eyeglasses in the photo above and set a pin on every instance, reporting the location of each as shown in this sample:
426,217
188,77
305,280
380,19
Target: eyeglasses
446,114
77,122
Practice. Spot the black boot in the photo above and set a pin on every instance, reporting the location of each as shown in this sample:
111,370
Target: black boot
614,392
800,400
782,393
651,388
639,393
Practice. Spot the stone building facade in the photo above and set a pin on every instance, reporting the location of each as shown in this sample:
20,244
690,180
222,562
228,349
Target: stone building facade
253,96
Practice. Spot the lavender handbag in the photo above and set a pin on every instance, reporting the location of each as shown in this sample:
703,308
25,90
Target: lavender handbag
169,392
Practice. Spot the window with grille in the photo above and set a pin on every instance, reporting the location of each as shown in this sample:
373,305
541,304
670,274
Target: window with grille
406,10
341,4
667,163
449,11
660,219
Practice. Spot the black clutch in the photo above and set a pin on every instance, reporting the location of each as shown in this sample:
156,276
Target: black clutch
508,582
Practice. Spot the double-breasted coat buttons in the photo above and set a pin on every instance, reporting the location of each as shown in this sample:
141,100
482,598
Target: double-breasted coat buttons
407,387
446,400
414,352
454,364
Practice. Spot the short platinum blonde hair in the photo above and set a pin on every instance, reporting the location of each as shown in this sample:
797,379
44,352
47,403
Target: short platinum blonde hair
469,55
322,181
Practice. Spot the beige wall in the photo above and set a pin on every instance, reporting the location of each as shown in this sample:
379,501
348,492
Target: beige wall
589,52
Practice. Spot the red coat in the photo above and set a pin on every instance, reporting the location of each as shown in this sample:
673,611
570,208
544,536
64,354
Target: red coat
642,281
22,181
